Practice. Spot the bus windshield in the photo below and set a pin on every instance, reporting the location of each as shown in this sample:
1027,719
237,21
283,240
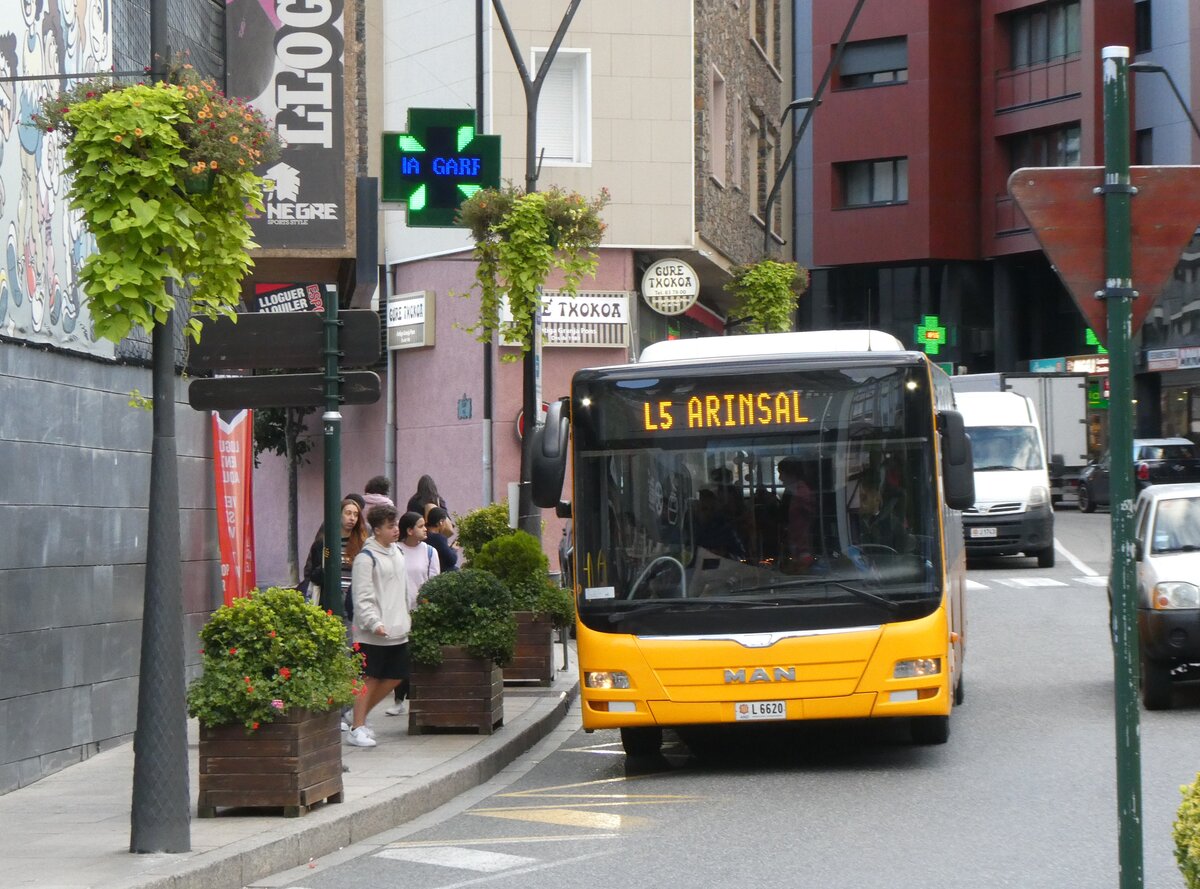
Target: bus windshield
756,501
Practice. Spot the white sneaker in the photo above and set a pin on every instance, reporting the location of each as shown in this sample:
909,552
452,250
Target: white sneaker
345,726
398,709
360,738
370,732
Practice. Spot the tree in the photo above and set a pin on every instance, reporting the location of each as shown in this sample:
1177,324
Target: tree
766,293
283,431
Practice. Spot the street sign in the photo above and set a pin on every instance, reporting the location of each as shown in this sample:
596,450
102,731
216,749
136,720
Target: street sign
280,390
439,163
262,341
1067,216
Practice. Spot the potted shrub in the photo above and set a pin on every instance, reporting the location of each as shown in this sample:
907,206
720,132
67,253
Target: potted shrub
277,673
539,605
462,630
1187,834
480,525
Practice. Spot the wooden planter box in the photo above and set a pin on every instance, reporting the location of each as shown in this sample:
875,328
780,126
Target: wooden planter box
462,692
293,763
533,658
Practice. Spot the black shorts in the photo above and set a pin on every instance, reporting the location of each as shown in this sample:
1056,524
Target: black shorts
385,661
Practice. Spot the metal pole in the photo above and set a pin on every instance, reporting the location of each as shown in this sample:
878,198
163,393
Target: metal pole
1119,293
159,819
332,422
488,487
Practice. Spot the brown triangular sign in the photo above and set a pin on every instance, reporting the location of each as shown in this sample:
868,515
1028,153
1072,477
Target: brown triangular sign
1067,216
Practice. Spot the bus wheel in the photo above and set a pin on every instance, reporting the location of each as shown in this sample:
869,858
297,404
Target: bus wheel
1156,684
930,729
641,741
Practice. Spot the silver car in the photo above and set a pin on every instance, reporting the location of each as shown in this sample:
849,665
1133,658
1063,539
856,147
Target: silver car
1167,551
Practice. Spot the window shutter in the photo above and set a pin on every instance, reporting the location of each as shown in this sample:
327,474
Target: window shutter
556,114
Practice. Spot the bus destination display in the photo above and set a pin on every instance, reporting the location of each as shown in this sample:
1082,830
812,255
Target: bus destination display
724,410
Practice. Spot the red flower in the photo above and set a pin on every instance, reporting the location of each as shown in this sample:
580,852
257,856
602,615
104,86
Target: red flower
285,672
233,651
249,689
255,726
356,647
271,634
329,611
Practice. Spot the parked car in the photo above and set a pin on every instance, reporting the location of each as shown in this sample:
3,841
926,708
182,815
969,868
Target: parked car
1156,461
1167,551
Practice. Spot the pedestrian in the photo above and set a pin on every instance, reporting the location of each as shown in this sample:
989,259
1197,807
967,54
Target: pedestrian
354,536
439,529
426,497
420,563
383,603
378,492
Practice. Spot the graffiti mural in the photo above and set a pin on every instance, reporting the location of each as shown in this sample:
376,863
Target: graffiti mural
44,244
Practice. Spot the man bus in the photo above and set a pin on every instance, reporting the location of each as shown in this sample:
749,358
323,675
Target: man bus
765,528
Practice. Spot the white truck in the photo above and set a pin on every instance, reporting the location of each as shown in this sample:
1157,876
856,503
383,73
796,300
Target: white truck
1012,513
1061,403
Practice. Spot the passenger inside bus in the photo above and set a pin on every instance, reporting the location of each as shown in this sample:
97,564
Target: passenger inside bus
797,510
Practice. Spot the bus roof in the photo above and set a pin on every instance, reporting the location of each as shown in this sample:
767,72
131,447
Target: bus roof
763,345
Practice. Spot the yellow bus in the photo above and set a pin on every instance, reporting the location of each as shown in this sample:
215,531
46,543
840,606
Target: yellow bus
765,528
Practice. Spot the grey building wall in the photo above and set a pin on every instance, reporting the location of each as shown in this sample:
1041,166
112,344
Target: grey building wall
74,486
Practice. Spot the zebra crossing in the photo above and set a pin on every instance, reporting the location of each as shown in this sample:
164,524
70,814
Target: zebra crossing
1018,582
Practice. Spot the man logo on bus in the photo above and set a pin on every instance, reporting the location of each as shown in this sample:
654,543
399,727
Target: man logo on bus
777,674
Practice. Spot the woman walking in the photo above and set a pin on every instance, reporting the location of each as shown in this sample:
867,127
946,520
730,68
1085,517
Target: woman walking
383,605
354,535
420,563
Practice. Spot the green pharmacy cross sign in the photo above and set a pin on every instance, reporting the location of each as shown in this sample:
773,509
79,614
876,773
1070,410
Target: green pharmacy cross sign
439,163
930,334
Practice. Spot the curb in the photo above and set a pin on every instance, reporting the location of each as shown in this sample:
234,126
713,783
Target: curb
333,827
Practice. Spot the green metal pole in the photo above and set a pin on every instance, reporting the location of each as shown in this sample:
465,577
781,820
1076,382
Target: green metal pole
332,422
1119,293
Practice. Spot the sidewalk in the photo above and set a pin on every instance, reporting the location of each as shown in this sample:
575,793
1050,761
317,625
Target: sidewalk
71,829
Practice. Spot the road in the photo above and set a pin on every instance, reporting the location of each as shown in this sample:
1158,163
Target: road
1021,796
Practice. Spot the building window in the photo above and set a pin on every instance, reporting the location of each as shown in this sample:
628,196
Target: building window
564,116
1055,147
718,131
874,62
874,182
1143,39
1143,147
1044,33
764,28
738,153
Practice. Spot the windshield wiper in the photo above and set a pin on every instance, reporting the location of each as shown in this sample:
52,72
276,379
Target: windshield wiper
667,604
1003,467
857,592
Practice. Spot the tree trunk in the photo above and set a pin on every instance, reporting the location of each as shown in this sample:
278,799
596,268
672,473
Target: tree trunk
291,432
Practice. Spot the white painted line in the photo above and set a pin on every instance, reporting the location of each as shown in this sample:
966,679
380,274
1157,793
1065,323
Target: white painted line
1094,580
976,585
457,856
566,862
1070,557
1027,582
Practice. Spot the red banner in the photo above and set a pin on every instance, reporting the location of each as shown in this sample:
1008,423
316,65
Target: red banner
233,444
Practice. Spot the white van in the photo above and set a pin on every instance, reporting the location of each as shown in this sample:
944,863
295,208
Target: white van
1012,512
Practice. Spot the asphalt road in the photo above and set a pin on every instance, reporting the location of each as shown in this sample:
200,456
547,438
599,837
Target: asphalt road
1023,795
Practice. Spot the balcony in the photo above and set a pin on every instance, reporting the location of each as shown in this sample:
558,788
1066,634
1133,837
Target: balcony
1047,82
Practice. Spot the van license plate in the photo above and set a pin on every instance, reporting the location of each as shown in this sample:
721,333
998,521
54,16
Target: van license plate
760,710
983,532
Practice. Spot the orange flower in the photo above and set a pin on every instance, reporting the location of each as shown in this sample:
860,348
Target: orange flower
233,139
212,165
137,131
117,138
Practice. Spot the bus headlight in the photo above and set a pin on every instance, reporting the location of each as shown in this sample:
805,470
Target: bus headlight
606,679
921,666
1176,595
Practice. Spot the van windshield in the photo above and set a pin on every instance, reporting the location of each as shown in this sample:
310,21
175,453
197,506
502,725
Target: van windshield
999,448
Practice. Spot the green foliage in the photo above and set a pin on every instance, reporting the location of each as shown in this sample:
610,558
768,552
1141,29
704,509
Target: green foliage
267,653
133,154
766,293
469,608
481,525
555,602
519,239
1187,834
272,427
518,561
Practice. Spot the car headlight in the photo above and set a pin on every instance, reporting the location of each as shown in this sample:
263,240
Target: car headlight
1038,496
921,666
1175,594
606,679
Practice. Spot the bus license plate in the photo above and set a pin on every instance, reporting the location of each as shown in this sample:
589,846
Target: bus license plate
983,532
760,710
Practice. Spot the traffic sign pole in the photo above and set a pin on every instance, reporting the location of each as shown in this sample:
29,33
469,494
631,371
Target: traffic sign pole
1119,294
332,422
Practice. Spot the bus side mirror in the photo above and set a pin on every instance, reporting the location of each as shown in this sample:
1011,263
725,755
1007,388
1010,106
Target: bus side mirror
958,469
550,456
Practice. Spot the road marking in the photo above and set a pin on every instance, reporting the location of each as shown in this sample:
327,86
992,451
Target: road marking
976,585
564,817
504,841
1079,565
566,862
1029,581
1094,580
458,857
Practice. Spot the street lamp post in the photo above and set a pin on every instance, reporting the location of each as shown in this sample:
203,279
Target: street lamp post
1152,68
